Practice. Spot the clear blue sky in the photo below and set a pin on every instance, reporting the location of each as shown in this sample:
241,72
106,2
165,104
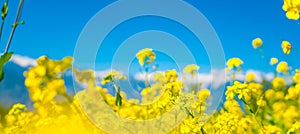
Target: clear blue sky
53,27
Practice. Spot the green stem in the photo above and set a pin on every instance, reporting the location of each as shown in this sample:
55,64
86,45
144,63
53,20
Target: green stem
118,94
2,24
202,130
254,116
16,23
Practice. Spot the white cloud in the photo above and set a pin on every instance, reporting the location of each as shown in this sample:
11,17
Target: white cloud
259,75
143,76
23,61
215,78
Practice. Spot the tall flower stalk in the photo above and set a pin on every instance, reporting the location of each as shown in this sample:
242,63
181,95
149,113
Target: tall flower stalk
7,55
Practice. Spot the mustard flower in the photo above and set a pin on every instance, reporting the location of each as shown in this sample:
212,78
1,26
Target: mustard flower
191,69
111,76
143,54
296,77
292,8
273,61
234,62
286,47
261,102
203,94
278,82
250,77
282,67
269,94
171,75
257,42
294,128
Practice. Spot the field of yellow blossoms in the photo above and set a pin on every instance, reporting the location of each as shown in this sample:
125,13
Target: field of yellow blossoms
269,107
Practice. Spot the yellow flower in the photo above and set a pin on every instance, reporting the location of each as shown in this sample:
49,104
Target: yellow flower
296,78
257,43
269,129
146,90
40,70
295,127
234,62
250,77
269,94
279,95
279,106
292,8
282,67
286,47
278,82
171,75
273,61
292,14
143,54
203,94
112,76
260,102
191,69
293,93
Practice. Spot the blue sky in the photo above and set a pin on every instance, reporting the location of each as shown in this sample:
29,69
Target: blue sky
53,27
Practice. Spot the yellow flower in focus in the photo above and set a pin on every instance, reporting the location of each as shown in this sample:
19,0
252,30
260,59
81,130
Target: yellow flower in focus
282,67
40,70
273,61
292,8
250,77
286,47
257,43
234,62
278,82
292,14
191,69
16,109
143,54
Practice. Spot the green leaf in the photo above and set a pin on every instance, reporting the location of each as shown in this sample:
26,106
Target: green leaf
3,60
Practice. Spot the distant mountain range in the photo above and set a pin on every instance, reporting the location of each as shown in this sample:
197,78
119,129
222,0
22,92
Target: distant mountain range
12,88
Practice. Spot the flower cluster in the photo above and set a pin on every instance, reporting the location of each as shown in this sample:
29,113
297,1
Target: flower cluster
145,55
292,8
269,106
249,107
